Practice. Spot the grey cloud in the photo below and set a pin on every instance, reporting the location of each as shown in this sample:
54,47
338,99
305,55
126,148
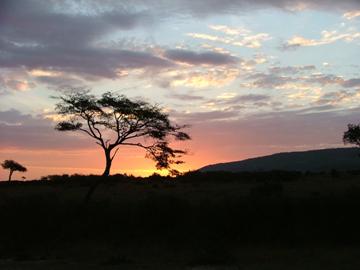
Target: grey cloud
215,7
3,88
186,97
29,132
99,62
325,79
249,98
255,99
14,117
292,69
40,21
16,84
263,80
44,35
279,76
351,83
200,58
240,102
335,97
58,81
66,35
10,85
34,34
204,116
288,47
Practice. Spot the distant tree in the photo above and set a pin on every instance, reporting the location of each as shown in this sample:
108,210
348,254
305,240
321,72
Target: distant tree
13,166
113,120
352,135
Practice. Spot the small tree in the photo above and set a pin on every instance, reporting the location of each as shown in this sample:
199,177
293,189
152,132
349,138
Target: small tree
114,120
352,135
13,166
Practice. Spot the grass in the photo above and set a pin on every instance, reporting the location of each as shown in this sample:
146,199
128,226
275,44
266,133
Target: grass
272,220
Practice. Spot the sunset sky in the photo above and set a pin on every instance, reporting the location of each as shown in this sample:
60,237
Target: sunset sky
250,77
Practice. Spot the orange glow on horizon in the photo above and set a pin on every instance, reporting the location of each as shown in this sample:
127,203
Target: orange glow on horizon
44,162
202,151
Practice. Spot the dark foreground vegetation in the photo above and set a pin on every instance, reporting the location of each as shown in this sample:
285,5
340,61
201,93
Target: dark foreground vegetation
274,220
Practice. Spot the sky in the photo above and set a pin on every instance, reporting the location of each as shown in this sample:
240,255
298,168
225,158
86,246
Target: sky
251,78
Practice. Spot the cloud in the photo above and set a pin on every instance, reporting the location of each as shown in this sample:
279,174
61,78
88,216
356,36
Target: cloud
324,79
327,37
291,69
234,99
97,62
297,78
25,131
37,35
19,85
201,58
201,8
3,88
268,80
241,37
211,77
60,82
73,38
69,43
204,116
13,82
186,97
352,14
240,103
351,83
248,98
337,97
240,31
39,22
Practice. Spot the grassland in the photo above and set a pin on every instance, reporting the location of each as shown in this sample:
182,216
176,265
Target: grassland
274,220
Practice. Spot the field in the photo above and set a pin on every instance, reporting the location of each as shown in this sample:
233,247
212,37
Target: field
274,220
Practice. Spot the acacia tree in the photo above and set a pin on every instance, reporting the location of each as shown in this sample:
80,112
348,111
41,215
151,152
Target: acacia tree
352,135
13,166
113,120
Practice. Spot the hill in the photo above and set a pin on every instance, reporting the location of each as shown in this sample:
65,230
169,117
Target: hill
341,159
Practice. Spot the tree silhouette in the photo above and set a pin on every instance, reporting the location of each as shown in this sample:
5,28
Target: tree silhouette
13,166
113,120
352,135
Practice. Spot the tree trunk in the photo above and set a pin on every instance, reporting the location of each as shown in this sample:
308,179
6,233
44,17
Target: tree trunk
11,172
108,163
100,179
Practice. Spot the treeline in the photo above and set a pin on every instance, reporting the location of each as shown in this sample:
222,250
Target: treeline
220,177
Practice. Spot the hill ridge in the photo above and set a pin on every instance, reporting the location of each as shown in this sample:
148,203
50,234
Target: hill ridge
310,160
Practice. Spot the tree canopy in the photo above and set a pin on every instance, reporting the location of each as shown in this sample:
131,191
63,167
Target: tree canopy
13,166
352,135
113,120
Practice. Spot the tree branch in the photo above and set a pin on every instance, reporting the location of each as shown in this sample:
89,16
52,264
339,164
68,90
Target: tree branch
87,132
93,133
139,145
117,149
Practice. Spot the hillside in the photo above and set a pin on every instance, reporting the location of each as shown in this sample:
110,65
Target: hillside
341,159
